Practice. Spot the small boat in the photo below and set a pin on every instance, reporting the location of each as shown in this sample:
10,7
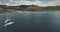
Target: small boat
8,22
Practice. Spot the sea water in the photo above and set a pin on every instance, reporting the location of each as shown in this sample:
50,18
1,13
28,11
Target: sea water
31,22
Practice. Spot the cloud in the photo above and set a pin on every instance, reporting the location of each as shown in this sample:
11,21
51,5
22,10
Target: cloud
34,2
54,3
24,3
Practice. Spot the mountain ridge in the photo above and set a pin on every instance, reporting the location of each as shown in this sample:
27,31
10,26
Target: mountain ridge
6,8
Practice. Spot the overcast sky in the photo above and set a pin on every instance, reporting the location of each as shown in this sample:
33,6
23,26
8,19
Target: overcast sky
30,2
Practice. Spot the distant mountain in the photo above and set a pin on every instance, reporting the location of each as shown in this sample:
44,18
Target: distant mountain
29,8
20,6
3,6
23,6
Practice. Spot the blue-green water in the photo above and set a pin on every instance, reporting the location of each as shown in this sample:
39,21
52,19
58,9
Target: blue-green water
32,22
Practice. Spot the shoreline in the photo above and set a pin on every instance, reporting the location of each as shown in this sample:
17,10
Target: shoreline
29,12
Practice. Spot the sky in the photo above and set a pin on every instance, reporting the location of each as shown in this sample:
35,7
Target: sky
30,2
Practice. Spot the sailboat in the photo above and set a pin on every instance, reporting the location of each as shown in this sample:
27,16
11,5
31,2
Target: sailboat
8,20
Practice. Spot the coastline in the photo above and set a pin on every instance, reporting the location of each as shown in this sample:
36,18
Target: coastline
30,12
